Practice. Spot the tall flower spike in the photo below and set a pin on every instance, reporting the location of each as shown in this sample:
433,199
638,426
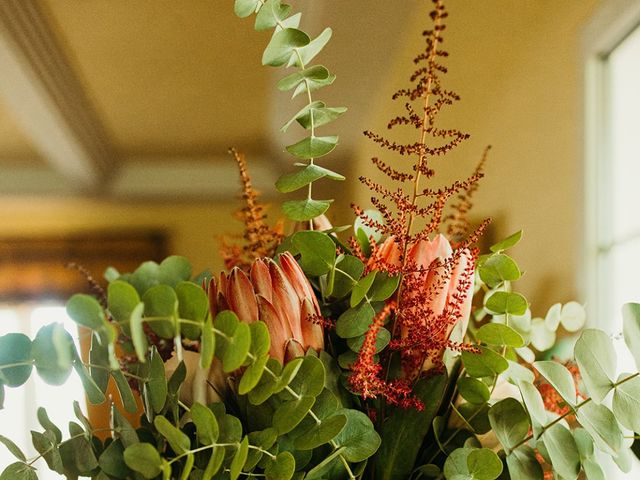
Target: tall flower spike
260,240
434,295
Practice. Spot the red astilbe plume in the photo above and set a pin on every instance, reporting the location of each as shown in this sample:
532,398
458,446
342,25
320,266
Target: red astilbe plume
260,240
433,300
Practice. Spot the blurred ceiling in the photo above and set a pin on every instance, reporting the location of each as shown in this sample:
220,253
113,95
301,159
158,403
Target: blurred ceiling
142,99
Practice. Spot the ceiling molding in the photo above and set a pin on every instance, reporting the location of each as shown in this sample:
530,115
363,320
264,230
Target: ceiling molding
150,179
47,99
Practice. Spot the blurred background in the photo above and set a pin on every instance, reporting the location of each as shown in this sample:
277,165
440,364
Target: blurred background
116,117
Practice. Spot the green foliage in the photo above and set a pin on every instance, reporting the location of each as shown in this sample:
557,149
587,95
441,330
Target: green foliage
472,464
510,422
507,243
596,358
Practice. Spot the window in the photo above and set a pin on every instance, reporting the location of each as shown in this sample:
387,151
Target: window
34,285
19,415
612,175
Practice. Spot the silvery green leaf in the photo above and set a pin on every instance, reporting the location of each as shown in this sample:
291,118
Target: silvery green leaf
573,316
552,320
541,337
596,358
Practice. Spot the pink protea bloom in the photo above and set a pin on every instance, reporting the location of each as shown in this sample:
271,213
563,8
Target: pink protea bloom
436,297
280,296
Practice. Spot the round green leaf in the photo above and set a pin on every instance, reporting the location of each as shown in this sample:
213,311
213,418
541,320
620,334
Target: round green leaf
173,270
358,439
237,349
193,305
51,350
484,364
260,340
382,340
281,468
484,464
86,311
601,424
498,268
252,374
19,471
509,421
206,424
473,390
290,414
144,459
317,250
355,321
541,337
507,302
573,316
310,378
112,461
501,335
122,298
533,401
161,303
15,348
322,433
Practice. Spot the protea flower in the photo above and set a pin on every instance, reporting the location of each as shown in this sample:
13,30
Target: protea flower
280,296
437,293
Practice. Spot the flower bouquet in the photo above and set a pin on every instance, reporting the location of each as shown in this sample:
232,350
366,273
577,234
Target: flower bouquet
395,351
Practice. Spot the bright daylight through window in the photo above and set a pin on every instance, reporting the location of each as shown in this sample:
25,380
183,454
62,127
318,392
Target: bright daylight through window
19,415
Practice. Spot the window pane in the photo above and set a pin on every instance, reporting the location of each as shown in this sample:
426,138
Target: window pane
19,415
624,95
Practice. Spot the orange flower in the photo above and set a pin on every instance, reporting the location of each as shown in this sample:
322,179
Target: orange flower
280,296
438,292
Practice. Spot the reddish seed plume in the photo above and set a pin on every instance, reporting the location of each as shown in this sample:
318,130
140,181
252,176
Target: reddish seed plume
418,332
260,240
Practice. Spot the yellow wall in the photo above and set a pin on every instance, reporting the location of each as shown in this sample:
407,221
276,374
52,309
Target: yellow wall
517,66
193,228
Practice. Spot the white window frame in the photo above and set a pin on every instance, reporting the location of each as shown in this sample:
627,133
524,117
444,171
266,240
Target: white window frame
610,25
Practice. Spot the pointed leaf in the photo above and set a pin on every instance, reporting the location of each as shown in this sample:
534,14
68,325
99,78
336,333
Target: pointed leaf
318,115
631,329
560,379
313,147
563,451
282,45
507,243
313,48
596,358
206,424
499,334
626,403
303,210
271,14
601,424
293,181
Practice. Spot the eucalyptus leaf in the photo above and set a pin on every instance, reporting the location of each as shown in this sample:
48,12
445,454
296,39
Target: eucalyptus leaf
206,424
52,353
86,311
601,424
313,147
533,402
310,173
522,463
126,395
281,468
13,448
15,359
144,459
282,46
288,415
562,451
484,364
501,335
317,250
596,358
178,440
303,210
239,458
161,303
626,402
271,14
321,433
244,8
173,270
631,329
122,298
308,52
507,302
560,379
355,321
358,439
473,390
318,115
509,421
19,471
507,243
499,268
157,384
